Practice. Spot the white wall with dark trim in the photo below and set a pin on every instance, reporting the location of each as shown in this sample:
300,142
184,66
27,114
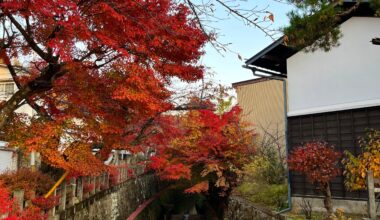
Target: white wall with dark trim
346,77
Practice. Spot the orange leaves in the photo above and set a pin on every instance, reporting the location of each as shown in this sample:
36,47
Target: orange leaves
63,143
30,181
198,188
212,168
356,167
80,159
271,17
176,171
102,70
170,171
143,91
214,148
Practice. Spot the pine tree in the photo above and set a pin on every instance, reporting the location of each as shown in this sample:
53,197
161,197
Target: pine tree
314,23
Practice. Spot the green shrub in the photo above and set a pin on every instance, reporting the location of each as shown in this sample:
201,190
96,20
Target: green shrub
265,170
272,196
264,179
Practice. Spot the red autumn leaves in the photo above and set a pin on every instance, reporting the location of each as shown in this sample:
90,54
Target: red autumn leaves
98,71
209,150
317,161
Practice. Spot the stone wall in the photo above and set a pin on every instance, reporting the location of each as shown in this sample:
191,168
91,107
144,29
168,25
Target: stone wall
347,206
241,209
118,202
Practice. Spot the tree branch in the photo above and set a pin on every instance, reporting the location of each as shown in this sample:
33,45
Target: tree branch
244,18
30,41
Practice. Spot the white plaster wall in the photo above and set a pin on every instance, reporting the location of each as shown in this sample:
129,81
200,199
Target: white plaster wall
346,77
7,162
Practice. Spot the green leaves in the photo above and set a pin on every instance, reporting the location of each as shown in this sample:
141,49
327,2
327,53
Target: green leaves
312,27
314,23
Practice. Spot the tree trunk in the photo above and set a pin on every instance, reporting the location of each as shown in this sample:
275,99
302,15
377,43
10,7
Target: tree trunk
12,104
327,200
39,84
217,203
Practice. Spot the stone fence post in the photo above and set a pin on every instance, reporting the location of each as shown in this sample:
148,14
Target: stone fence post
62,204
80,188
73,197
51,212
18,195
107,180
371,195
93,182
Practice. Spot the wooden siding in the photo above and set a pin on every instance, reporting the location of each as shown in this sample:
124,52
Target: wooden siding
4,73
342,129
262,102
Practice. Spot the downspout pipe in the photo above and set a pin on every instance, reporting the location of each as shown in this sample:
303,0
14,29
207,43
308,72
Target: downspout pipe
281,77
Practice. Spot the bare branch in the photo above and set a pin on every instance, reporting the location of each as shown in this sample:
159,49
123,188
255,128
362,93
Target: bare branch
30,40
244,18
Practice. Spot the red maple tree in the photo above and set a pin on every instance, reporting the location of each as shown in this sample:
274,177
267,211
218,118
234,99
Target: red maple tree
319,163
208,151
97,73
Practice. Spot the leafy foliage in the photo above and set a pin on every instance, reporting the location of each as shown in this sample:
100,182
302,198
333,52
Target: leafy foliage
46,203
114,175
5,201
30,213
265,168
317,161
264,179
9,208
93,83
208,149
313,30
30,181
356,167
88,187
314,23
198,188
273,196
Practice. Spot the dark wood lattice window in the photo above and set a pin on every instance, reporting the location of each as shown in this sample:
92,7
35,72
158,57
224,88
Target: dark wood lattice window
342,129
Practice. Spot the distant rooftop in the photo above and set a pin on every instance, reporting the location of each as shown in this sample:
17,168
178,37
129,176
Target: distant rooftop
248,82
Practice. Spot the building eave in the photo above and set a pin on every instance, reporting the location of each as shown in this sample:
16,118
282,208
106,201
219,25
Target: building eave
274,56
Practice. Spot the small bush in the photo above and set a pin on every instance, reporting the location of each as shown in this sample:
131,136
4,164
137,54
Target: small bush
273,196
319,162
28,180
46,203
356,167
265,178
88,187
114,176
265,170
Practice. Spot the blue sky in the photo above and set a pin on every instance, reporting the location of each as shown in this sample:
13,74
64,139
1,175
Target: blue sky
245,40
